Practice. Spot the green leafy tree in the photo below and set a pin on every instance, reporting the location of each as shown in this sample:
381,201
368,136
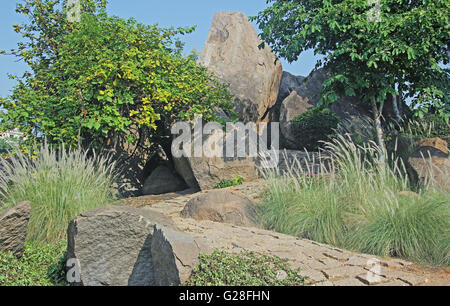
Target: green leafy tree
370,48
105,81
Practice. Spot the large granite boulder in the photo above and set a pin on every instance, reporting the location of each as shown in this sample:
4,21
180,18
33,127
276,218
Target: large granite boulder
163,180
120,246
437,143
446,138
174,255
221,206
231,52
205,172
431,162
14,228
289,83
293,106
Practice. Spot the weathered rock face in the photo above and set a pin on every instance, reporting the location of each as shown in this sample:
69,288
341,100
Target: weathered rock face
293,106
289,83
447,138
205,172
231,52
122,246
174,255
221,206
14,228
304,94
431,162
437,143
163,180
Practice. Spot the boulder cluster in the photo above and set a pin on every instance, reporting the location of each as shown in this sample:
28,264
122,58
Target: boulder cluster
262,93
121,245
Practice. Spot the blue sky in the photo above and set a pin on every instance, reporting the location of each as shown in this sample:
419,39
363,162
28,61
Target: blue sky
164,12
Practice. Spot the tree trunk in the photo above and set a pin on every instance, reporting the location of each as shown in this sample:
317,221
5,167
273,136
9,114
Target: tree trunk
377,113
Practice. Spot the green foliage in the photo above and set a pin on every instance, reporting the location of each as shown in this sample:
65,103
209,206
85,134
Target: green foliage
359,129
245,269
429,127
314,126
416,228
59,183
40,265
399,54
229,183
7,145
95,81
402,139
360,205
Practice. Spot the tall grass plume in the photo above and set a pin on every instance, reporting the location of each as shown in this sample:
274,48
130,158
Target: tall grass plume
353,201
60,184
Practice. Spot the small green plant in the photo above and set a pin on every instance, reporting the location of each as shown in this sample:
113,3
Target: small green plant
59,183
40,265
313,127
229,183
245,269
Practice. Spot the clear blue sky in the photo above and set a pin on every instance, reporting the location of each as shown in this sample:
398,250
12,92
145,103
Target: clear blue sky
164,12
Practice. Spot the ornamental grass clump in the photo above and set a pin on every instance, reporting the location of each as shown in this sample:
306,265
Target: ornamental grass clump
355,202
60,183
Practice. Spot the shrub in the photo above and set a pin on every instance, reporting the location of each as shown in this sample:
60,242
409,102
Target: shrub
245,269
59,183
105,81
229,183
40,265
357,203
314,126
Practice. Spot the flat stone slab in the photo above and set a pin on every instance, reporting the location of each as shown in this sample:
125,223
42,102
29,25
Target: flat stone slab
324,265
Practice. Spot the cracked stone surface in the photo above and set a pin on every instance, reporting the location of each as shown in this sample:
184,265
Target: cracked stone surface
324,265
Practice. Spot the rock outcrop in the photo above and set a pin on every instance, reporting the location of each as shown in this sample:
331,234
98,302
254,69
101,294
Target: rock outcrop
289,83
299,94
437,143
14,228
231,52
204,172
293,106
221,206
120,246
163,180
431,162
174,255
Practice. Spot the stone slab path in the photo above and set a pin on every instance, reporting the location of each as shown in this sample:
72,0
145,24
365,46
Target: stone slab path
323,265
